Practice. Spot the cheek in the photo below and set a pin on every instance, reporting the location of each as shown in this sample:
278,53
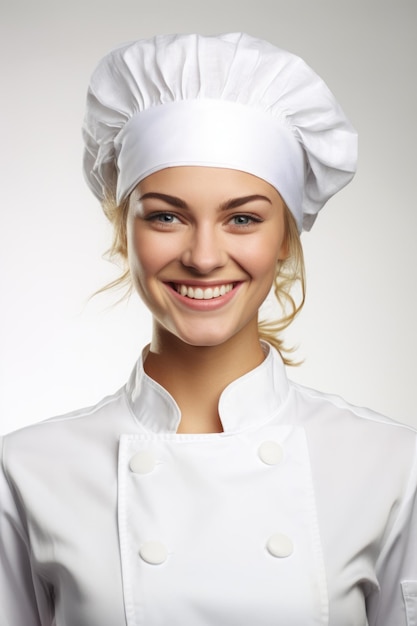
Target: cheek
139,255
144,253
263,271
142,267
148,254
261,257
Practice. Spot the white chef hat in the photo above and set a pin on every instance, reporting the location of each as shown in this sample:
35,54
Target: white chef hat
229,101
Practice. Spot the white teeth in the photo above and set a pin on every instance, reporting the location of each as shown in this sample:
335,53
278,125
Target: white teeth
198,293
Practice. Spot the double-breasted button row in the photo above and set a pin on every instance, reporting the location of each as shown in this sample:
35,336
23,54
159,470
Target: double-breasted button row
144,462
156,553
278,545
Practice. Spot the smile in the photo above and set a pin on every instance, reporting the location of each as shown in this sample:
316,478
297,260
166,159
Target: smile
198,293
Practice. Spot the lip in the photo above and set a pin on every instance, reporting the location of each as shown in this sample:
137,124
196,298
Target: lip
203,305
204,284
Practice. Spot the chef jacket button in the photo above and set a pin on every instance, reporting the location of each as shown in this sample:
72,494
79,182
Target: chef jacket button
153,552
270,452
280,545
142,462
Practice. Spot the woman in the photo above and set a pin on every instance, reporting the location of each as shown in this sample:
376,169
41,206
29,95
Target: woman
210,490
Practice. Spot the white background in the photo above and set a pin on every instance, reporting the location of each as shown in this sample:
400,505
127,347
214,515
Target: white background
357,334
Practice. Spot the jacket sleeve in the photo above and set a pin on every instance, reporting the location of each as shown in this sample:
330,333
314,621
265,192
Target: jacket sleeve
395,602
23,597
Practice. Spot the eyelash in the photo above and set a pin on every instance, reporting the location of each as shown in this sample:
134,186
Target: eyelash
156,217
165,218
251,219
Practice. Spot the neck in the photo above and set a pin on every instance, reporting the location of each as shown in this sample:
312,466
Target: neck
196,375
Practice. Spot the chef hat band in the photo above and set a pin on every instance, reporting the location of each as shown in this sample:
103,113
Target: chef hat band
211,133
229,101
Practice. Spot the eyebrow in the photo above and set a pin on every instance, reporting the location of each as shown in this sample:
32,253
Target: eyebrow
229,204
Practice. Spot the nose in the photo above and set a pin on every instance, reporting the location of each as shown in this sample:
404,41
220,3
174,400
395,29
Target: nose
204,251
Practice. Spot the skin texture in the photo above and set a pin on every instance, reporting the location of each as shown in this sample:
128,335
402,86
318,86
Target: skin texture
203,227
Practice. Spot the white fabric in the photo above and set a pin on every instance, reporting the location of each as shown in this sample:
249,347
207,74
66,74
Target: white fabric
210,77
108,517
216,134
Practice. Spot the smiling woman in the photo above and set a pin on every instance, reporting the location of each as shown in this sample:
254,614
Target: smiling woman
211,490
204,239
260,214
186,240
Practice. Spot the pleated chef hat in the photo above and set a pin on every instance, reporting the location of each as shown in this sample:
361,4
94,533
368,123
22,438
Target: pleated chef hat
229,101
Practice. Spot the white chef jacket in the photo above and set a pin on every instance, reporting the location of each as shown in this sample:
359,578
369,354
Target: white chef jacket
302,512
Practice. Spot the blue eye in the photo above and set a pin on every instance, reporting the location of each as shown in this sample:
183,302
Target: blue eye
242,220
163,218
167,218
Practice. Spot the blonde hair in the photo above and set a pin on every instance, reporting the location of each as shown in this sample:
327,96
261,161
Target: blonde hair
289,276
290,273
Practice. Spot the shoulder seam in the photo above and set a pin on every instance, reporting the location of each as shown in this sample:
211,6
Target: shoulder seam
360,412
84,412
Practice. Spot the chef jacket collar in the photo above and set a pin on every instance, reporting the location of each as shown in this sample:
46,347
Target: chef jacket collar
248,401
